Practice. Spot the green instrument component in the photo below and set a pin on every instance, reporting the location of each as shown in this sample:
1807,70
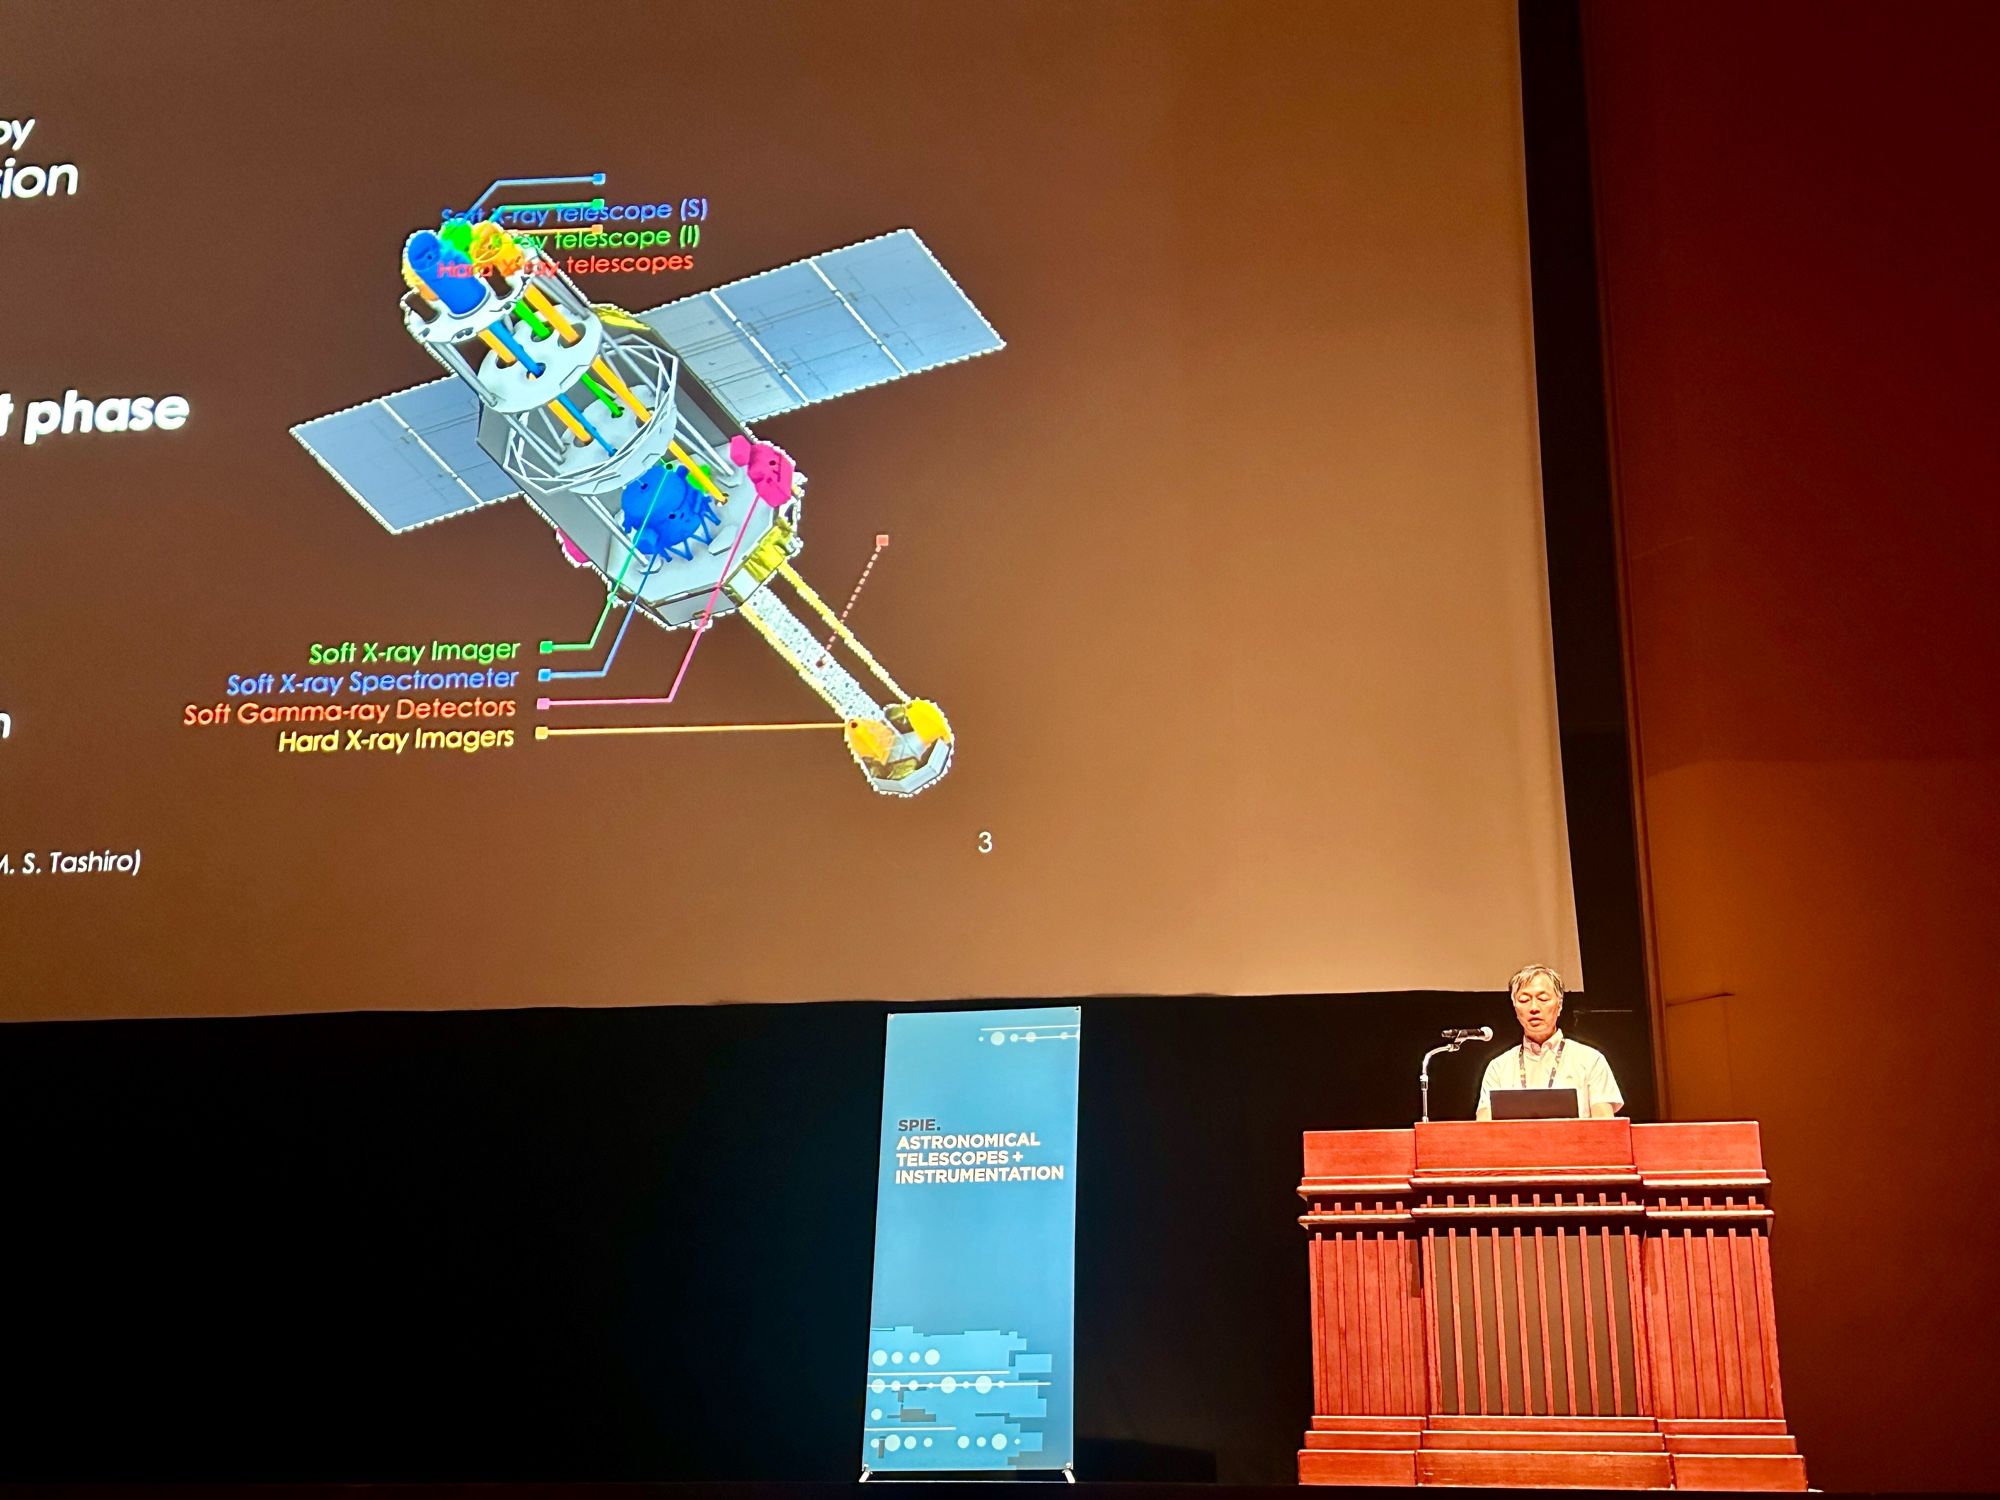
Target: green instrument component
532,318
602,395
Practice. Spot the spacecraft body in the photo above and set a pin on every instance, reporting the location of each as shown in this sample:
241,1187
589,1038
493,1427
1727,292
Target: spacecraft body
629,434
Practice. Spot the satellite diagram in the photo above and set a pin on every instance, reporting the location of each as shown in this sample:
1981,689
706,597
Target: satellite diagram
630,435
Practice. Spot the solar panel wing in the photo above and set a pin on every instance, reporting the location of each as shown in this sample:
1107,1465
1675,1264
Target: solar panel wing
898,288
825,326
412,457
725,356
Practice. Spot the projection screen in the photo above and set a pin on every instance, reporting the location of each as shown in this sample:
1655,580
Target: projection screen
672,503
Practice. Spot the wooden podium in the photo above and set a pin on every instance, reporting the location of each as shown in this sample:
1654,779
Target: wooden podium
1544,1302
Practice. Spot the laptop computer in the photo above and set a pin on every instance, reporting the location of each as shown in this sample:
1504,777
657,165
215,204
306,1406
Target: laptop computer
1533,1104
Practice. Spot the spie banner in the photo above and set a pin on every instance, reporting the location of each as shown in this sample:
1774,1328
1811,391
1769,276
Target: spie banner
970,1359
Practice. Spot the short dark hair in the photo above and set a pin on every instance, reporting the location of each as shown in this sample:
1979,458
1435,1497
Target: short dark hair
1522,976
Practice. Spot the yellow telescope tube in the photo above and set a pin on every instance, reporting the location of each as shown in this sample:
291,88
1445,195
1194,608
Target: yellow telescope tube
569,421
624,391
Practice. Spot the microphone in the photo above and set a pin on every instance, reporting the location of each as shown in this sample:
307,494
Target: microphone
1453,1040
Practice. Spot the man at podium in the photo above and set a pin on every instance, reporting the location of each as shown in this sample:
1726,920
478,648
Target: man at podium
1546,1059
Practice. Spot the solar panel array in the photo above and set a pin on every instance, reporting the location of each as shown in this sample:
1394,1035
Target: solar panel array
825,326
410,458
810,331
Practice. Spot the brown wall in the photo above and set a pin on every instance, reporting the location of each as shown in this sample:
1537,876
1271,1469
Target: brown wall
1798,273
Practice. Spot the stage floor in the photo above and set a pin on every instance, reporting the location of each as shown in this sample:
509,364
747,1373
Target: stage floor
929,1489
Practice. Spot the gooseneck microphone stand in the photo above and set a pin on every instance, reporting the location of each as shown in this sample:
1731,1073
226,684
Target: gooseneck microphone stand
1424,1073
1453,1040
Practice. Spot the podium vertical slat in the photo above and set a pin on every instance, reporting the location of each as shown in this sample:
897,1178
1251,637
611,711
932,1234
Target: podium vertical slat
1744,1251
1612,1342
1681,1324
1521,1319
1503,1327
1421,1349
1642,1355
1589,1320
1708,1342
1351,1319
1457,1324
1728,1319
1569,1336
1374,1325
1324,1397
1542,1310
1434,1366
1767,1327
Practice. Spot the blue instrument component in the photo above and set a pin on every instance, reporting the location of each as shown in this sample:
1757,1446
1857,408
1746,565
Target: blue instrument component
586,424
499,329
663,511
446,270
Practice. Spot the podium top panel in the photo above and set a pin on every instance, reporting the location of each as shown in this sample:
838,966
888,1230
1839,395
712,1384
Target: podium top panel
1359,1156
1723,1153
1456,1148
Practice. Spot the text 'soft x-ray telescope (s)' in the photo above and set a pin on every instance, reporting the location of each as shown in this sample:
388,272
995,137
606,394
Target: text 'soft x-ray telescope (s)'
629,434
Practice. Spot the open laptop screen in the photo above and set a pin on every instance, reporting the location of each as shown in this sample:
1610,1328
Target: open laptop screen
1534,1104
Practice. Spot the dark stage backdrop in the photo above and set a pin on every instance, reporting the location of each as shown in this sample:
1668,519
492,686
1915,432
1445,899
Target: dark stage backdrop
589,1244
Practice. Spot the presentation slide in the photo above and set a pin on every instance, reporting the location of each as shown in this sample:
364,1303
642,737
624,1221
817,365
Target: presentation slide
660,503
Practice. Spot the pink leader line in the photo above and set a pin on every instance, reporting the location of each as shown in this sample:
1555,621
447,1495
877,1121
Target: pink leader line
881,541
700,629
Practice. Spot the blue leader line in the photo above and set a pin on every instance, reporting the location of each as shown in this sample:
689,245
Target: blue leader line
595,179
549,674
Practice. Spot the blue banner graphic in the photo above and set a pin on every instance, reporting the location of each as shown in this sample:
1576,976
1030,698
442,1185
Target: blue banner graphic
971,1358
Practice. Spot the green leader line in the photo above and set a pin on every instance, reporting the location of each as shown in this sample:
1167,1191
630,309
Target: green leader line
602,615
631,551
596,630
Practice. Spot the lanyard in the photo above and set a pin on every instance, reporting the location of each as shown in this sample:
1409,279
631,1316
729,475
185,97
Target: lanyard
1552,1066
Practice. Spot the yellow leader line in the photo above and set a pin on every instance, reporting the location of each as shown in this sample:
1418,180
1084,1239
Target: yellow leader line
543,732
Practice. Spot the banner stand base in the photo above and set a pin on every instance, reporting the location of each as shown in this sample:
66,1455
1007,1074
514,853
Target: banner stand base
946,1476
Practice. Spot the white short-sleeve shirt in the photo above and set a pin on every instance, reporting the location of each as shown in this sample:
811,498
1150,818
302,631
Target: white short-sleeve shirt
1558,1063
